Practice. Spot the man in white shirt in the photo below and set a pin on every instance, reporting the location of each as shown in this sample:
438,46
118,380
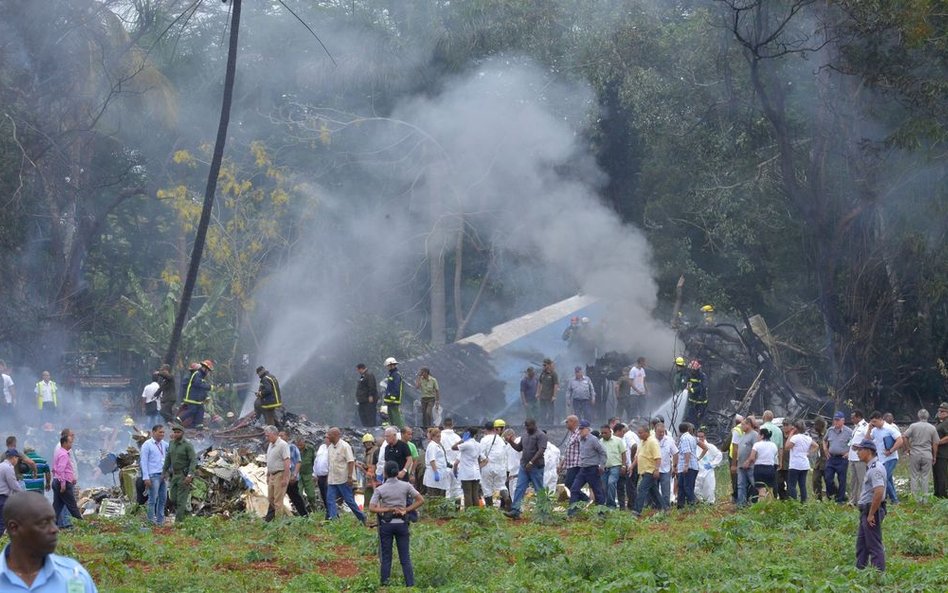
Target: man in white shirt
9,389
631,483
639,386
669,451
857,468
150,400
339,481
321,470
151,461
494,472
449,439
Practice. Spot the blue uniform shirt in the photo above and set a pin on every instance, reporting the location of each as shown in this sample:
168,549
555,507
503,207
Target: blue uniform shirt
56,576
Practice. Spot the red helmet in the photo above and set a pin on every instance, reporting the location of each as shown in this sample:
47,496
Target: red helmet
694,364
209,364
194,366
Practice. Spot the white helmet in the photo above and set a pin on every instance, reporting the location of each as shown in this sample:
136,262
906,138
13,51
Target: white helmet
390,360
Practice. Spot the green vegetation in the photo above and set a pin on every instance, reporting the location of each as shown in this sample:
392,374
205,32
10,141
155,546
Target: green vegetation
772,546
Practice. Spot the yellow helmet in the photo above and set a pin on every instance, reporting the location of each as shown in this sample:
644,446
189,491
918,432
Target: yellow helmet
708,308
128,421
680,361
499,423
368,438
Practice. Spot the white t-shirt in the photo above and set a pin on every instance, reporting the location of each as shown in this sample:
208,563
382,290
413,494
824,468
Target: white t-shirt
859,435
468,467
766,453
149,394
7,384
637,376
799,454
513,458
631,440
669,449
321,463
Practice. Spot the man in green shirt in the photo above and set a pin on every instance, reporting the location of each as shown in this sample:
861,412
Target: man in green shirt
430,395
615,463
180,463
307,459
418,465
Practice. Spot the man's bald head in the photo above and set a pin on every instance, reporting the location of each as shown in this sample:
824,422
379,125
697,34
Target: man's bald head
31,522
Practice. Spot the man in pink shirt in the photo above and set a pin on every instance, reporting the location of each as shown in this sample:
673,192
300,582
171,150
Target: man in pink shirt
64,482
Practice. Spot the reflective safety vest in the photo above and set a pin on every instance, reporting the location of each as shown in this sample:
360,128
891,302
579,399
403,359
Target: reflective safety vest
275,386
39,393
393,394
196,390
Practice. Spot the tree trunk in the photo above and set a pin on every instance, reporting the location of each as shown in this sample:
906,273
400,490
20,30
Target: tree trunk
438,294
211,188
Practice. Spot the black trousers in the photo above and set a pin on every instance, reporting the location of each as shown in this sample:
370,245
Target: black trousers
66,498
367,414
631,490
322,484
399,533
941,477
293,491
571,474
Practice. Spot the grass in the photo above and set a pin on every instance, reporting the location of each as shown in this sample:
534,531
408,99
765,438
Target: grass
771,546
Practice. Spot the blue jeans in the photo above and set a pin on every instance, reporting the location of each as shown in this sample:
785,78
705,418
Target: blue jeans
345,491
648,492
526,478
587,475
835,477
745,485
889,483
686,488
795,478
583,408
398,532
665,488
157,497
610,484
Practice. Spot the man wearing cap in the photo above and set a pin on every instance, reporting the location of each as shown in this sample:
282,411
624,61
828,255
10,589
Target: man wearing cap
393,393
180,463
872,509
580,394
922,441
367,393
194,393
269,397
836,450
8,481
592,463
941,457
549,383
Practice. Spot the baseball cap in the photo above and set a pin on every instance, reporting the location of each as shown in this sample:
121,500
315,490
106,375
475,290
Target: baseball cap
943,406
577,369
11,453
175,427
584,424
839,416
866,444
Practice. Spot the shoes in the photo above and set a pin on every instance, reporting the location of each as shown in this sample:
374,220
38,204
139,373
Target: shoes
512,514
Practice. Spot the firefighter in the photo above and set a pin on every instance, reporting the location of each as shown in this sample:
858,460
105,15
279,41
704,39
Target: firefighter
194,393
708,311
697,393
269,402
393,393
680,376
